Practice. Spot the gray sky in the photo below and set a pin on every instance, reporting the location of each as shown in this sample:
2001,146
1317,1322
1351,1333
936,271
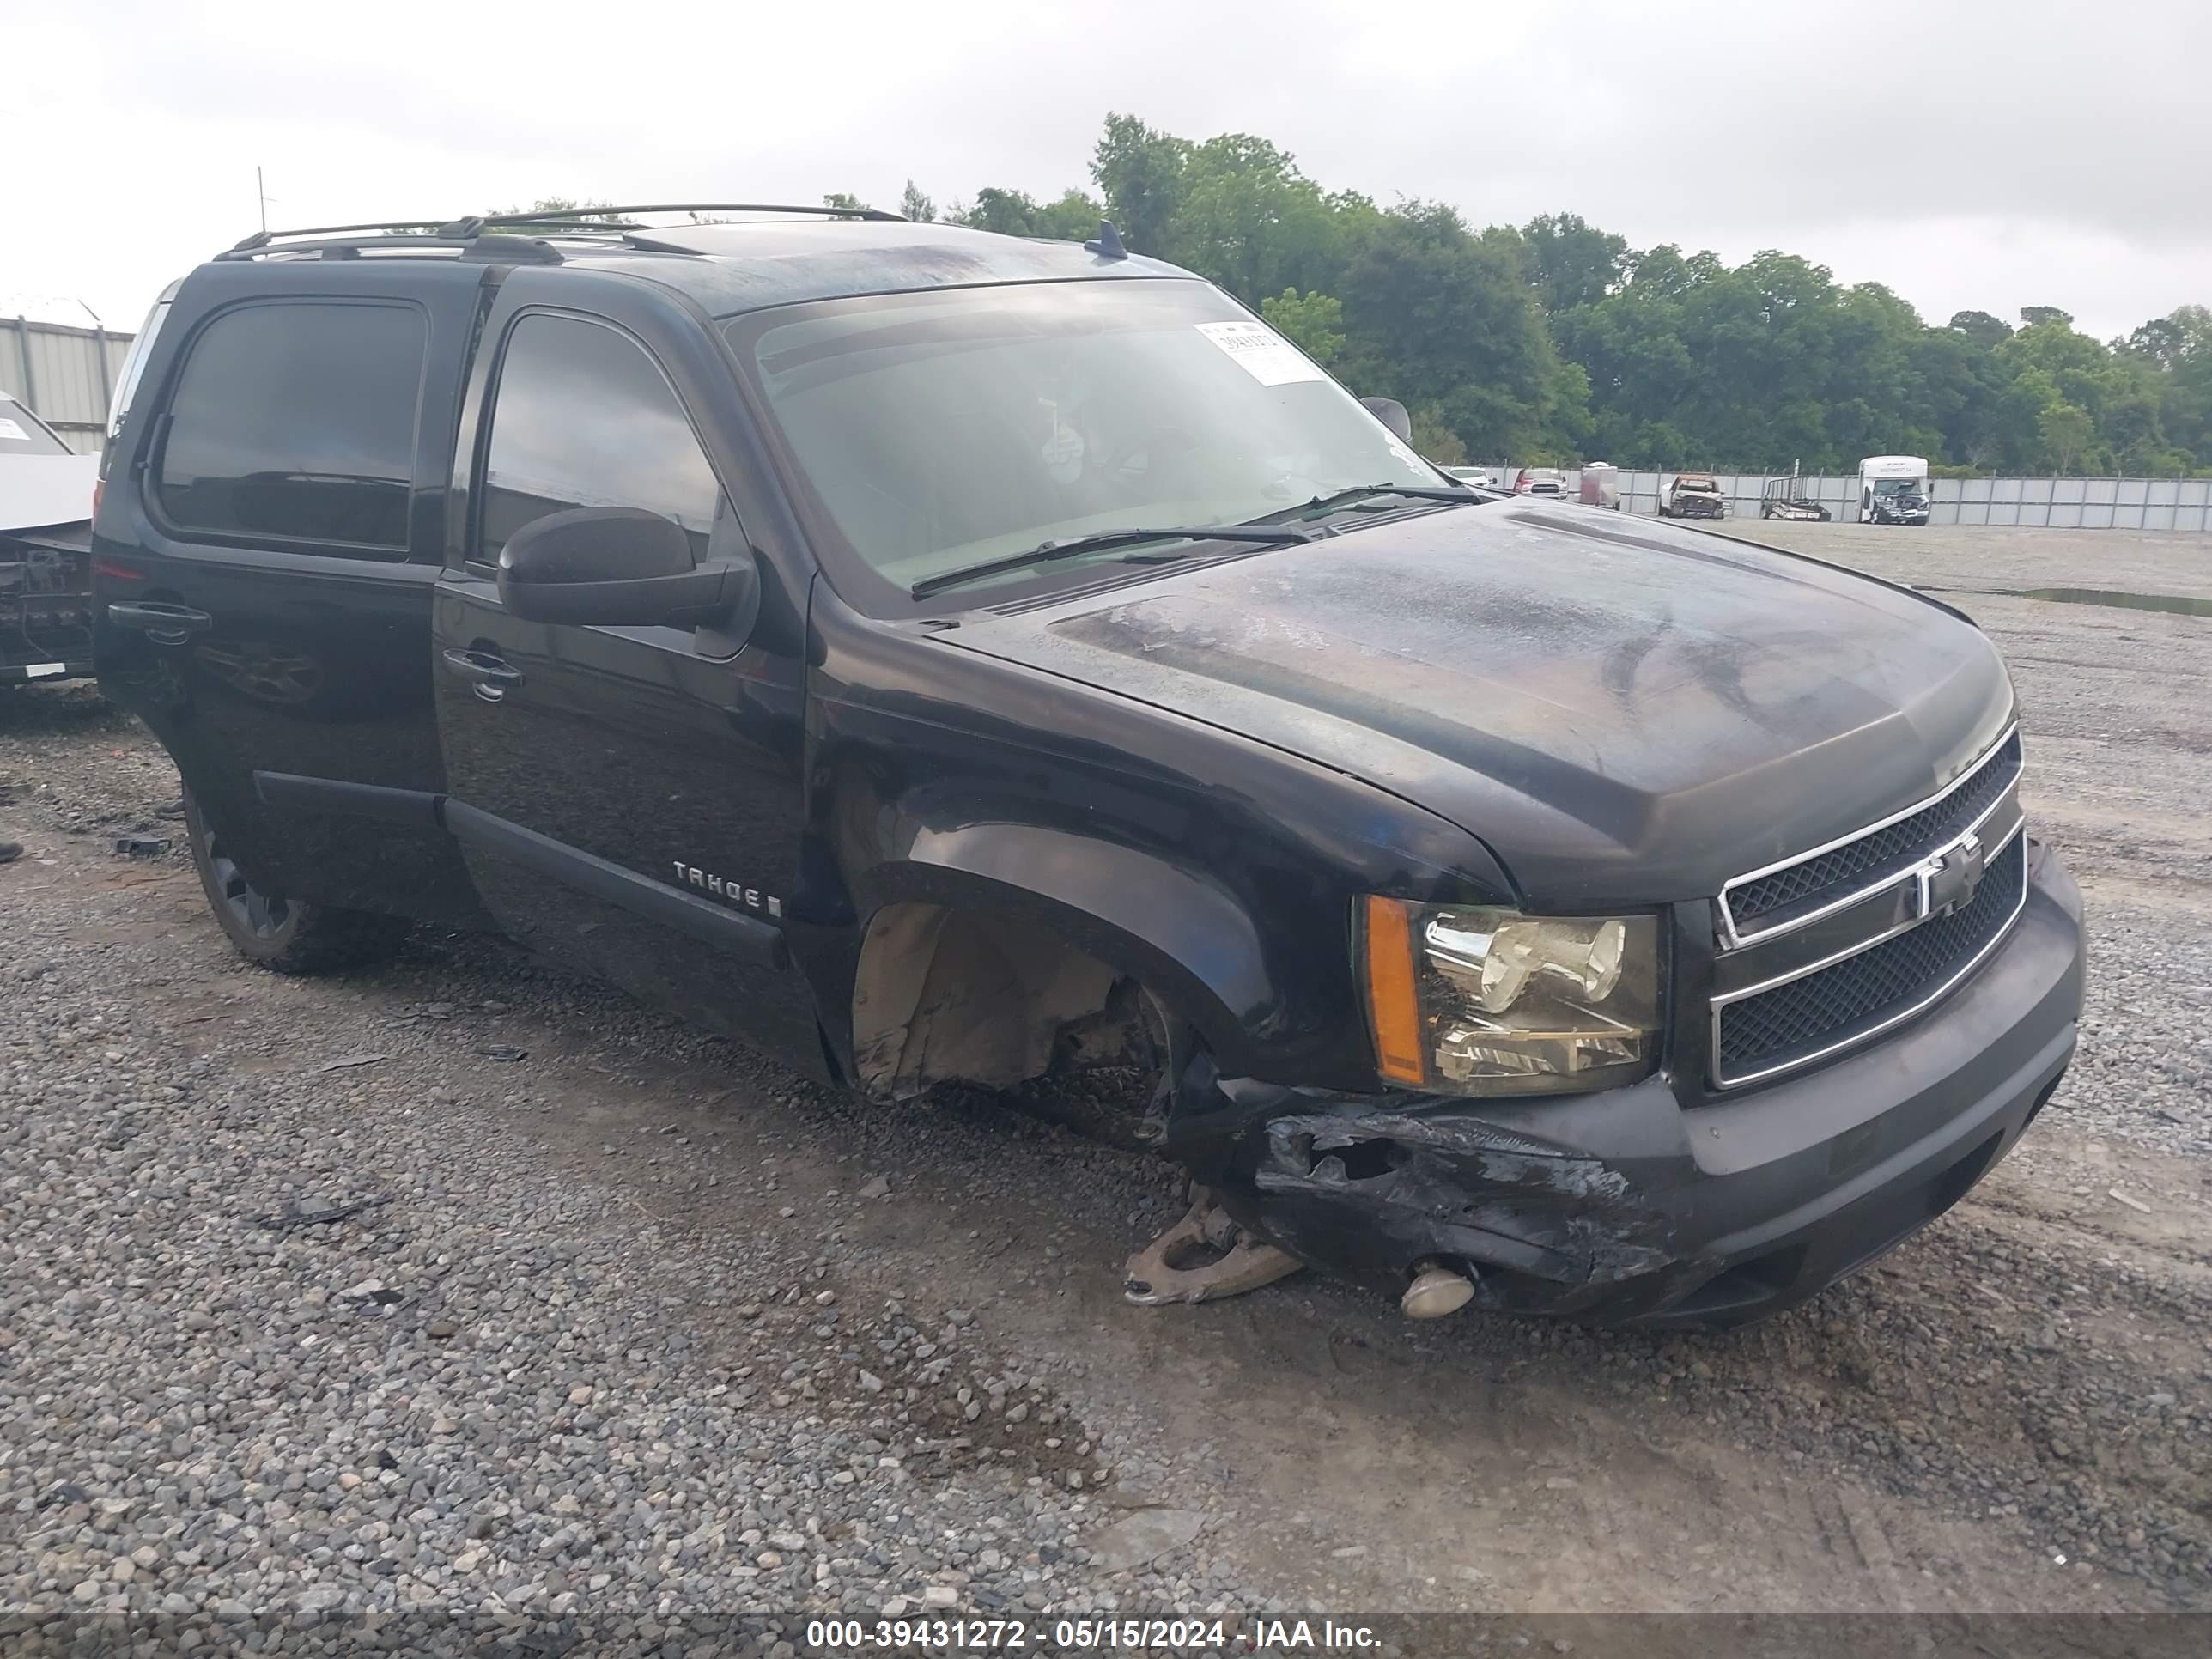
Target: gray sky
1989,154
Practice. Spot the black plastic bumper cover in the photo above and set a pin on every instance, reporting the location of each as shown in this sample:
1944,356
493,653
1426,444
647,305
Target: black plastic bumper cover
1626,1208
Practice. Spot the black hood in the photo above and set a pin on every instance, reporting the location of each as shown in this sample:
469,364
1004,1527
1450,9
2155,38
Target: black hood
1626,715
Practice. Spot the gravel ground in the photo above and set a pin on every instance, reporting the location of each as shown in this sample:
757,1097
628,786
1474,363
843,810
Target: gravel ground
636,1327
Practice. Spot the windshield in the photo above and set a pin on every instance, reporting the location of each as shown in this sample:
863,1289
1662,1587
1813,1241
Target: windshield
1898,487
939,430
21,434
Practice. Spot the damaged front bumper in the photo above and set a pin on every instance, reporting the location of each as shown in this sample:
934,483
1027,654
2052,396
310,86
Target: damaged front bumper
1629,1206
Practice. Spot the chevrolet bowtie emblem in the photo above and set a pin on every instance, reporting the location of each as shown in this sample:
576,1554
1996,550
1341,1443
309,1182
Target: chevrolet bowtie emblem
1948,879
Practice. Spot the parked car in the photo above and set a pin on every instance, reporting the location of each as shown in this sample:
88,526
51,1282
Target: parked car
46,570
1471,474
1693,496
936,657
1541,481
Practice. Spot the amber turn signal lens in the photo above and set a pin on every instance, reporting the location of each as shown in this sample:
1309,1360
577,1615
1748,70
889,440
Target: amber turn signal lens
1393,1010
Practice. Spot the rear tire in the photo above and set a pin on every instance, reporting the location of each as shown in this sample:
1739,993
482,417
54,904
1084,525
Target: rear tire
281,934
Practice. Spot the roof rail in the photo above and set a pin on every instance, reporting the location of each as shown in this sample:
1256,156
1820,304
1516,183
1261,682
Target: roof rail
491,247
570,220
572,214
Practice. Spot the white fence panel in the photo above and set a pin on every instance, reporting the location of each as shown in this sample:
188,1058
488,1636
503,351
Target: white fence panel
2026,504
63,375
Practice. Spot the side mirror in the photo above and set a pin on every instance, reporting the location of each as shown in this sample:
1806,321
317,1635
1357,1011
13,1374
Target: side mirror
1391,414
620,566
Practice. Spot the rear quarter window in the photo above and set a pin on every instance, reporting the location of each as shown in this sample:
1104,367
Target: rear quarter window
134,369
294,421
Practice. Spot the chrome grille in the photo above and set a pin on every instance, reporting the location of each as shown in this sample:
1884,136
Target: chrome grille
1826,950
1762,902
1863,994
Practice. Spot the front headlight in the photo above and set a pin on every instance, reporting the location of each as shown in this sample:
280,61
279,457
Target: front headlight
1473,1000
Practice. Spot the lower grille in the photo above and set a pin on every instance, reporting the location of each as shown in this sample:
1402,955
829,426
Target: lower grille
1859,995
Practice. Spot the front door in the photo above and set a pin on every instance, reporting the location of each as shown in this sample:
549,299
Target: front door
628,798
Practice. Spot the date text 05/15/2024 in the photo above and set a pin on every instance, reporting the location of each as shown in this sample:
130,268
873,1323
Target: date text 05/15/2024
1086,1635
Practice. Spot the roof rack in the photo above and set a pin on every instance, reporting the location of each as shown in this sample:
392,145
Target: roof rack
572,214
471,230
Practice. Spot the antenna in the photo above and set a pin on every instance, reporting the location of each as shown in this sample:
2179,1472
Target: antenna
1108,243
261,191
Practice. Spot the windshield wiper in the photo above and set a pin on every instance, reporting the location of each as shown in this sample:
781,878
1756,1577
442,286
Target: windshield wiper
1046,552
1418,492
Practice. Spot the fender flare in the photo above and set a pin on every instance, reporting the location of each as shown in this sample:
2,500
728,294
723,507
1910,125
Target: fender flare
1181,934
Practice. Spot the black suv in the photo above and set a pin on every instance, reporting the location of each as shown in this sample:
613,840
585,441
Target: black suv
932,656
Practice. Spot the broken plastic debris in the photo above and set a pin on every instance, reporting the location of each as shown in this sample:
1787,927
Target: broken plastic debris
292,1216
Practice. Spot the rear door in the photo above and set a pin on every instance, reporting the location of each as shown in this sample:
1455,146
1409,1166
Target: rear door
628,799
265,563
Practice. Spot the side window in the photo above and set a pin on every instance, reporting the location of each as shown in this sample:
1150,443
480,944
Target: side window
583,417
296,420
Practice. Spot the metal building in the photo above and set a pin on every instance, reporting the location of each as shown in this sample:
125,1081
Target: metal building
63,375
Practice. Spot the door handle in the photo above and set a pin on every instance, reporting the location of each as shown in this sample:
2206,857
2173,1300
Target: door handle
490,676
158,621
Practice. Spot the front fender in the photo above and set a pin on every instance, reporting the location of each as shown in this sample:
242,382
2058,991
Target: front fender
1219,870
1178,931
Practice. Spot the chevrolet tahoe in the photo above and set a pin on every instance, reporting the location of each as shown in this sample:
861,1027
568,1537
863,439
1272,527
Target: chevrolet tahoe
936,656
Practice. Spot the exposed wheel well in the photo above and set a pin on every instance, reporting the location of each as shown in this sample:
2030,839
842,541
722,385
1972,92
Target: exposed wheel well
946,993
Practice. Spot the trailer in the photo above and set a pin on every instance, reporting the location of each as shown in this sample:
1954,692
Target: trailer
1601,485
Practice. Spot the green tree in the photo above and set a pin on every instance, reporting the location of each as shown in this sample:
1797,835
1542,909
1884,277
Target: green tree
2067,432
915,205
1983,330
1663,273
1559,340
1572,262
2182,381
593,214
1073,217
1138,171
587,212
1434,440
1445,322
1248,220
1312,322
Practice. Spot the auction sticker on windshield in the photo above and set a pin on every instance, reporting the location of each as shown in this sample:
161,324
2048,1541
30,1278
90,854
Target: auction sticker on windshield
1265,355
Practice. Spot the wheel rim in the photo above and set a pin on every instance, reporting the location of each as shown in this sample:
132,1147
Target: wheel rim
259,913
